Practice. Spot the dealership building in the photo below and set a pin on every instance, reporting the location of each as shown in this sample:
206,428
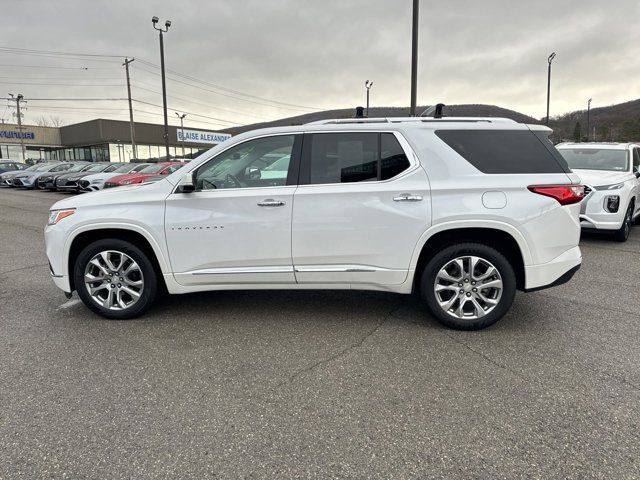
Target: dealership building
103,140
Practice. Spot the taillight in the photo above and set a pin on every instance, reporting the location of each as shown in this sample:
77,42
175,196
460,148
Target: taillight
564,194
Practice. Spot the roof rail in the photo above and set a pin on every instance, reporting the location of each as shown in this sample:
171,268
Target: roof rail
349,120
411,119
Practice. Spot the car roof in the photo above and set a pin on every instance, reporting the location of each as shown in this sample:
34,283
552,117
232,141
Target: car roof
598,145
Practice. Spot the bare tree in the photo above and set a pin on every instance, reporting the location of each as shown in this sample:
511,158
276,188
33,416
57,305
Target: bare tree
56,121
42,121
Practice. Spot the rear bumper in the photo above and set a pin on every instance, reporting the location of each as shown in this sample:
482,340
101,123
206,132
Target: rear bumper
557,271
62,282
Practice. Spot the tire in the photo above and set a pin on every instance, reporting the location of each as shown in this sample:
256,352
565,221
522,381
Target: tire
470,317
622,234
118,301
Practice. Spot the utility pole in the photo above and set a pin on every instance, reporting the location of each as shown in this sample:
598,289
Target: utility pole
588,119
167,24
18,99
414,57
181,117
549,60
133,135
368,86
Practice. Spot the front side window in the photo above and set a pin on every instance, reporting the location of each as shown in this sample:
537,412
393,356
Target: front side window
262,162
597,158
636,159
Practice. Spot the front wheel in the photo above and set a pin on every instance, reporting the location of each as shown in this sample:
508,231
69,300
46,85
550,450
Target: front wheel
115,279
468,286
622,234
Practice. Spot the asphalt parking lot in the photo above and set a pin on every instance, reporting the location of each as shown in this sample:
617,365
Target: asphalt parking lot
316,384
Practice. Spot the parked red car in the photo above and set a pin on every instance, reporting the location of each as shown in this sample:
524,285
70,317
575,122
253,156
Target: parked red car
163,168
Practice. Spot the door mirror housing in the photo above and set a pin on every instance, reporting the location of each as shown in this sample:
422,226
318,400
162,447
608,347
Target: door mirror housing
187,184
254,173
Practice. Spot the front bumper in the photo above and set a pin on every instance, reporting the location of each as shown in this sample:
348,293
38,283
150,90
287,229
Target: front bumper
593,215
86,186
547,274
23,182
67,185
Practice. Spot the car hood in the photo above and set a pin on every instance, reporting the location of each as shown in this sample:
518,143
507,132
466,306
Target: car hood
597,178
131,176
119,195
12,173
101,176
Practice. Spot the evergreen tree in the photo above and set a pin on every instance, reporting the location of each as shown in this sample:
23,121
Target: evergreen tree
577,132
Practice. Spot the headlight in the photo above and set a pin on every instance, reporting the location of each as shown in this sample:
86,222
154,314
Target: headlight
613,186
126,182
56,215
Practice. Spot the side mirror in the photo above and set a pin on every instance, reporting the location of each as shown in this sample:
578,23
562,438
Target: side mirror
187,184
254,173
637,174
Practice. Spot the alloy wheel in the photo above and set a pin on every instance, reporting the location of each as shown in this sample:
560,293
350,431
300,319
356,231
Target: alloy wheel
114,280
468,287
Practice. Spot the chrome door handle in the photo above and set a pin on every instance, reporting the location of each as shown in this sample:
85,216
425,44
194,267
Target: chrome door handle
407,197
270,202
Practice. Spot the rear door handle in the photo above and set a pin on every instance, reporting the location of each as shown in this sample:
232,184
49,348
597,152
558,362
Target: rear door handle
407,197
270,202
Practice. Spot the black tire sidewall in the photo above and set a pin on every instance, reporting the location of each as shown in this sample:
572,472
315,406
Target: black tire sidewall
476,249
620,235
148,272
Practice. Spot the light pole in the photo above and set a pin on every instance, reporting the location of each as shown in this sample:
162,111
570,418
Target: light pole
550,59
181,117
368,86
167,24
18,99
414,57
588,118
133,134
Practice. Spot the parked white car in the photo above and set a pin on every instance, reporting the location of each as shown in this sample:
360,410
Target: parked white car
611,175
95,182
464,211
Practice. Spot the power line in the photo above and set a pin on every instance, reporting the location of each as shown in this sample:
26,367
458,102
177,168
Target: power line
190,113
219,87
64,84
209,105
53,67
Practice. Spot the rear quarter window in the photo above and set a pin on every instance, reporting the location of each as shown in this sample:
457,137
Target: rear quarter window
505,151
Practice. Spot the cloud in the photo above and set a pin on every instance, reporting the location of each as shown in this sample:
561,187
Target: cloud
318,53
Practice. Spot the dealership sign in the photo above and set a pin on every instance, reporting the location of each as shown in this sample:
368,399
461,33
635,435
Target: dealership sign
17,134
199,136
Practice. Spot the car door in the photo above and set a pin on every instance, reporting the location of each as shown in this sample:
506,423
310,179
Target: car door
636,171
361,206
235,228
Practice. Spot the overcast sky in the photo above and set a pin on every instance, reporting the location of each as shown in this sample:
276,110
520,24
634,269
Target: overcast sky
316,54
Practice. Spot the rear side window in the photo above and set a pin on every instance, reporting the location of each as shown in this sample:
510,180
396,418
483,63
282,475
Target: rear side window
353,157
504,151
393,160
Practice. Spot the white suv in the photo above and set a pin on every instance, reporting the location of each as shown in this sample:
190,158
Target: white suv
463,211
611,174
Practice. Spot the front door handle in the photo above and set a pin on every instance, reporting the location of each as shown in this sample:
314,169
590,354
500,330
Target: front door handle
407,197
270,202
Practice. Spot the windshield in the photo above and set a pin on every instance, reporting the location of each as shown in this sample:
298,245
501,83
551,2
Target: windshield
152,169
95,168
41,167
596,159
78,168
124,168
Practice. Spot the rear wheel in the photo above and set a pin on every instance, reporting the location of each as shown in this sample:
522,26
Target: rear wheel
622,234
468,286
115,279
